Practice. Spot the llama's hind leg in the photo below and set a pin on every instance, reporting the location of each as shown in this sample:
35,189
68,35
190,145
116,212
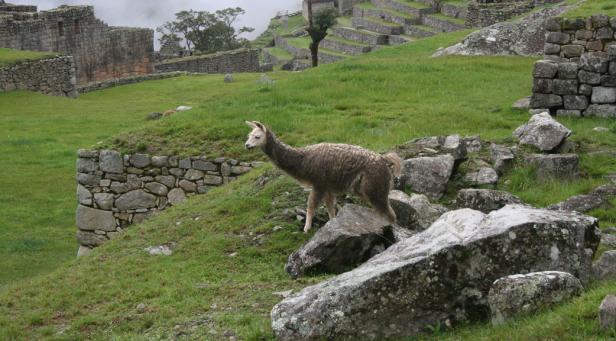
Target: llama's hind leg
378,196
314,199
330,203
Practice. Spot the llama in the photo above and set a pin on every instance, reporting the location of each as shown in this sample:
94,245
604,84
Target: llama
331,170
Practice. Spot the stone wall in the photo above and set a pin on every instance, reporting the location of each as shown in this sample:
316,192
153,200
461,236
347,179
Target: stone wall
100,51
115,190
578,75
110,83
482,13
241,60
53,76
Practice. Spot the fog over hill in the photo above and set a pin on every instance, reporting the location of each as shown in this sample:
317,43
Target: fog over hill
153,13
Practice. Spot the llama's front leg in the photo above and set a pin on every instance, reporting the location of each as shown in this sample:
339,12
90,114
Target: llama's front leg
330,203
314,199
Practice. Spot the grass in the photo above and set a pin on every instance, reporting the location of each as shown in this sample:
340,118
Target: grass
279,53
276,28
590,7
228,260
10,56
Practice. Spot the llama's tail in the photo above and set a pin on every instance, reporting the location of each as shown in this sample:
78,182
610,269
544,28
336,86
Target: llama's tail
395,163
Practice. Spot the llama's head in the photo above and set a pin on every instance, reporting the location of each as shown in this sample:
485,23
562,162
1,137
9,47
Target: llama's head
257,137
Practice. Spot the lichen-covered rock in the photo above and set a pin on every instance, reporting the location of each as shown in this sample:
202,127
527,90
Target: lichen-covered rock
485,200
429,175
111,161
543,132
502,158
415,212
607,312
484,176
605,267
439,276
135,199
564,166
352,237
523,294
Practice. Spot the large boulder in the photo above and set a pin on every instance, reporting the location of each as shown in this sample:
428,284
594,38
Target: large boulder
415,212
564,166
523,38
429,175
439,276
485,200
352,237
519,295
543,132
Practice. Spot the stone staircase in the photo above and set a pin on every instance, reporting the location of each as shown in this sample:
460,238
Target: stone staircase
377,23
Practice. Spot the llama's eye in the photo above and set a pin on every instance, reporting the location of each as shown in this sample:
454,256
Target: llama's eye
257,137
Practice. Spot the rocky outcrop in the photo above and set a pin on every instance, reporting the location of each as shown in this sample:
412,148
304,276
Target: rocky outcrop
356,234
415,212
485,200
440,276
522,38
429,175
543,132
519,295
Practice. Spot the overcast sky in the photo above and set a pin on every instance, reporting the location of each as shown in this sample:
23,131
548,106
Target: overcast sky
153,13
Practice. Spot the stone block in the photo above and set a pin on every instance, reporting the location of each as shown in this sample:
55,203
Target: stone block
545,69
204,166
84,197
135,199
176,196
599,20
111,161
550,166
607,312
601,110
193,175
572,24
551,48
104,201
188,186
605,33
91,180
568,113
603,95
575,102
140,160
185,163
565,87
558,38
91,219
568,71
160,161
585,89
594,45
90,239
588,77
213,180
167,180
542,85
545,101
87,165
157,188
584,34
570,51
608,80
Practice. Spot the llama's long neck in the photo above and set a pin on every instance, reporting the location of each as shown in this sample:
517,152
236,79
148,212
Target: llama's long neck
287,158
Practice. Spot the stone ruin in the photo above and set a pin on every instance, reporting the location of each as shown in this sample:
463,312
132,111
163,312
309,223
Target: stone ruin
482,13
100,51
578,74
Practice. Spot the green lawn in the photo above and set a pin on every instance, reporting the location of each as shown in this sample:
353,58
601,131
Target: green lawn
228,261
590,7
276,28
10,56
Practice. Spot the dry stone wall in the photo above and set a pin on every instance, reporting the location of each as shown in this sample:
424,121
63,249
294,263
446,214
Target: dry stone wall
482,13
241,60
110,83
116,190
578,74
53,76
100,51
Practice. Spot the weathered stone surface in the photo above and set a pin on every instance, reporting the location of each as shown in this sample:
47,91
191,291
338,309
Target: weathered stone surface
485,200
545,69
104,201
347,240
204,165
176,196
111,161
213,180
167,180
160,161
554,165
472,144
433,145
86,165
542,86
185,163
568,113
140,160
607,312
91,180
83,251
605,267
519,295
484,176
414,212
84,196
157,188
539,100
429,175
502,157
587,77
597,198
594,62
91,219
575,102
188,186
135,199
565,86
543,132
603,95
448,268
90,239
193,174
601,110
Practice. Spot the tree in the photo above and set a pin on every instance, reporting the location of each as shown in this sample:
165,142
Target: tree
204,31
318,24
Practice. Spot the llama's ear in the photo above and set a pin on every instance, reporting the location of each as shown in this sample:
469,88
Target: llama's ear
259,125
251,124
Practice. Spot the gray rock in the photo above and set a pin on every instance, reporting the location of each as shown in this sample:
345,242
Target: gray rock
176,196
160,161
597,198
213,180
594,62
603,95
91,180
538,100
135,199
601,110
472,144
429,175
502,158
607,312
185,163
140,160
111,161
448,268
167,180
160,250
84,197
575,102
484,176
91,219
204,166
104,201
605,267
347,240
568,113
565,166
568,70
519,295
83,251
434,145
592,78
485,200
608,240
228,78
543,132
193,175
87,153
188,186
415,212
87,165
90,239
239,170
542,86
522,104
565,86
157,188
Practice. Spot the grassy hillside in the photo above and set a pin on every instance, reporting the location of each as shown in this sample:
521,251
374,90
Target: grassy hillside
10,56
228,258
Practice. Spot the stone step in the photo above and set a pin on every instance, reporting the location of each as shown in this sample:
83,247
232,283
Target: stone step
442,23
360,36
367,9
344,46
327,56
400,39
376,25
419,31
404,6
